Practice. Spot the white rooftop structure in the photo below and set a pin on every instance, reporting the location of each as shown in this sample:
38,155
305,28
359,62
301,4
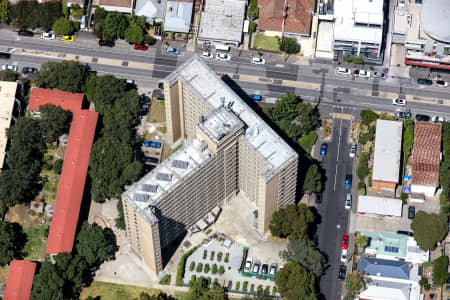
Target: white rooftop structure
153,10
178,16
324,48
432,15
7,100
379,206
414,253
388,147
220,123
390,290
222,21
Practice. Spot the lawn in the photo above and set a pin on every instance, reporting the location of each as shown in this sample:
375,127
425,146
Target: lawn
112,291
266,42
36,242
157,112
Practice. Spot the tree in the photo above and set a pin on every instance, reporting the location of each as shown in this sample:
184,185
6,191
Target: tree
12,241
440,270
69,76
25,14
149,40
362,241
429,229
49,13
305,253
55,121
289,45
48,283
135,31
63,26
8,75
120,220
307,117
313,180
293,221
3,11
76,11
92,244
354,283
368,116
295,282
114,26
198,290
408,138
57,166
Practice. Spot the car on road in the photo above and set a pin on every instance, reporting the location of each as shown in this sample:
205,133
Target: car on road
423,81
344,243
403,114
361,73
318,198
10,67
223,56
67,38
129,81
442,83
411,212
423,118
379,75
140,47
344,254
26,70
348,201
150,159
264,269
172,50
106,43
323,149
152,144
47,36
343,71
248,264
258,61
353,149
342,271
273,269
438,119
408,233
398,101
256,267
23,32
207,54
255,97
348,181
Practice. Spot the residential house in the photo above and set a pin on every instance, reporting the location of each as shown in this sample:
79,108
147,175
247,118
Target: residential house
123,6
379,206
178,16
153,10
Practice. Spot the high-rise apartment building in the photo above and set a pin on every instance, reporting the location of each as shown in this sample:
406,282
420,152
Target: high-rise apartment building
227,149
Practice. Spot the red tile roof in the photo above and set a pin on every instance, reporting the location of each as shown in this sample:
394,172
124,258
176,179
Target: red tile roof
119,3
298,19
426,154
66,100
71,184
20,280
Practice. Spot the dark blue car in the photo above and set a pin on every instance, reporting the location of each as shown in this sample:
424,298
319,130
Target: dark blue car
348,182
323,149
255,97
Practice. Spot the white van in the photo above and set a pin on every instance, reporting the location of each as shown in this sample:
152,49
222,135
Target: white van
222,47
83,22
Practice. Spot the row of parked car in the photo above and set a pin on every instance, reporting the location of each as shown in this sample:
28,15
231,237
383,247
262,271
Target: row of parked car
359,73
256,267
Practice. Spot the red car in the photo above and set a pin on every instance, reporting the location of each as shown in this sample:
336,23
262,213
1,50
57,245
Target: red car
140,47
344,244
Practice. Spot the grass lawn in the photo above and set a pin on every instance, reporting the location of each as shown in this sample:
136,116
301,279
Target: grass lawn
112,291
36,242
157,112
266,43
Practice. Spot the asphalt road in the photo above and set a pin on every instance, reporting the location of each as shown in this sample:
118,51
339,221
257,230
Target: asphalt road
337,164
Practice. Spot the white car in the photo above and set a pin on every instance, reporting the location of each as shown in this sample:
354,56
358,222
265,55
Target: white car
353,150
441,83
207,54
258,61
348,201
344,255
10,67
343,71
398,101
248,264
47,36
438,119
362,73
223,56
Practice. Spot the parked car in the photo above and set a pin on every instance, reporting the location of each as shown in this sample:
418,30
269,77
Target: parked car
83,22
47,36
379,75
353,149
150,159
438,119
442,83
129,81
398,101
342,271
344,256
318,198
152,144
26,70
423,118
24,32
67,38
258,61
256,266
207,54
362,73
408,233
264,269
223,56
348,201
411,212
323,149
403,114
348,181
343,71
344,243
172,50
273,270
10,67
140,47
255,97
424,81
248,264
106,43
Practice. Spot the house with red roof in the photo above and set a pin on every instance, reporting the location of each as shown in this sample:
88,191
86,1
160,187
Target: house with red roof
65,100
426,159
20,280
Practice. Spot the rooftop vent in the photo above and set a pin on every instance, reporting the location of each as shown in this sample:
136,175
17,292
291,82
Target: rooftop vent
164,176
141,197
149,188
180,164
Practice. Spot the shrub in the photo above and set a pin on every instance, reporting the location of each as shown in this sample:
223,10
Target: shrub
227,257
219,256
214,269
259,289
363,170
221,270
252,288
199,268
165,280
216,281
205,254
181,266
368,116
267,290
244,286
252,27
361,188
193,278
274,290
208,280
355,60
404,197
238,285
206,270
211,257
57,166
192,266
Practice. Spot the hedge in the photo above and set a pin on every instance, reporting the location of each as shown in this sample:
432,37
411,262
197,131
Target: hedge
227,257
214,269
181,267
199,268
205,254
244,287
206,269
238,285
219,256
221,270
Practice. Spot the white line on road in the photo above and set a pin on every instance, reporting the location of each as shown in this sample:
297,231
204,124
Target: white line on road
337,157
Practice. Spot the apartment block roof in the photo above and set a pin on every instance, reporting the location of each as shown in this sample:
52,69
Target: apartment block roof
7,100
298,19
379,206
388,147
71,183
384,268
219,124
65,100
178,16
426,154
20,280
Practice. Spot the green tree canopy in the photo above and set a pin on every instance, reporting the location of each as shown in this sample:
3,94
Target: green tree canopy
354,283
114,25
8,75
57,166
25,14
12,241
313,180
296,282
440,270
289,45
69,76
362,241
55,121
63,26
92,244
305,253
47,283
368,116
76,11
49,13
3,11
136,28
429,229
293,221
198,290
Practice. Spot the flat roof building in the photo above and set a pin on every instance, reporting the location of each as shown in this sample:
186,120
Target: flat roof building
380,206
8,101
20,280
228,149
178,16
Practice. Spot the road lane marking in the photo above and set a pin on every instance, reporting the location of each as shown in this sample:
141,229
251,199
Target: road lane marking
337,157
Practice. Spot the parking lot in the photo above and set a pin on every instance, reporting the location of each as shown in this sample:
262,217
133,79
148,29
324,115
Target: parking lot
374,223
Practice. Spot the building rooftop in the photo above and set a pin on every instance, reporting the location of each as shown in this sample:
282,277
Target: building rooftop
298,19
432,13
426,154
178,16
20,280
272,148
7,100
388,147
220,123
384,268
388,290
401,22
358,20
324,46
222,20
65,100
117,3
379,206
386,243
151,9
